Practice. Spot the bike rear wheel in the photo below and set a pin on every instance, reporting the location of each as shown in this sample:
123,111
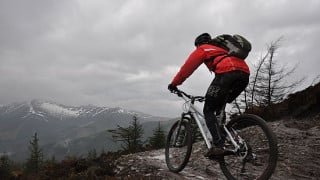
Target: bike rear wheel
178,146
258,154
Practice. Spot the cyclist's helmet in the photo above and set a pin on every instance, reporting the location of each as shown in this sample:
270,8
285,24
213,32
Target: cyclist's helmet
202,39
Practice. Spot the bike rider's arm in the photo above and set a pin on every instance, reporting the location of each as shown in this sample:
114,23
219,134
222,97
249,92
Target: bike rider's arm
195,59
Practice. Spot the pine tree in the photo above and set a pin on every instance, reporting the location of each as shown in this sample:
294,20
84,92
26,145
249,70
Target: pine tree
158,139
130,137
136,133
5,167
35,160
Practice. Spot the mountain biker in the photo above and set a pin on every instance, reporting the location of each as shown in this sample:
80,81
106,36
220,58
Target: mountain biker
231,78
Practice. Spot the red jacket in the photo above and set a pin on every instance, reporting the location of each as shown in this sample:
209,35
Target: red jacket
203,53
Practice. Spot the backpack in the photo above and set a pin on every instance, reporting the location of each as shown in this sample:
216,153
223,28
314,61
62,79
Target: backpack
236,45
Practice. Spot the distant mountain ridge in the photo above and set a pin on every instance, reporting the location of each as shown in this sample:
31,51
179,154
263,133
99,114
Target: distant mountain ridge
45,109
59,125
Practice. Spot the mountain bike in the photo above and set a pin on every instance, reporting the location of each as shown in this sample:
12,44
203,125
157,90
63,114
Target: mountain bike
251,149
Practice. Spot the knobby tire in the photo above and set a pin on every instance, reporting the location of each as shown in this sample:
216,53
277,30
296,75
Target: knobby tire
243,122
186,144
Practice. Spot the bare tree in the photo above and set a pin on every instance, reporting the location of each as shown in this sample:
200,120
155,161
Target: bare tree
270,82
255,77
248,96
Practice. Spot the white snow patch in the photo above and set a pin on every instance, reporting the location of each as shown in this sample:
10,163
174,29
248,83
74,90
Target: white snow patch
120,111
102,110
33,112
14,107
58,110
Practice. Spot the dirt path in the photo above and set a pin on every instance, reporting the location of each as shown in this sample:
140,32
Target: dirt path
152,164
299,157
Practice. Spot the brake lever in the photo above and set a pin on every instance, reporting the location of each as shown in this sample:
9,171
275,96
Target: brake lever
179,93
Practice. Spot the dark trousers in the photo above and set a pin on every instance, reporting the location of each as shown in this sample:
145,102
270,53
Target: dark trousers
224,88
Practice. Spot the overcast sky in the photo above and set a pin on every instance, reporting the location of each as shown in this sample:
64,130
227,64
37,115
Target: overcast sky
123,53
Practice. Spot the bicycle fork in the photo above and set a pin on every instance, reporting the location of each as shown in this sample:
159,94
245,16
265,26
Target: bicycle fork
177,134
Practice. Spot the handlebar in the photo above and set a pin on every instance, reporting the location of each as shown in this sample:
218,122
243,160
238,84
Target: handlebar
181,93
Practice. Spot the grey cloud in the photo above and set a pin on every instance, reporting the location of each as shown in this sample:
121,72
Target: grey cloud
124,53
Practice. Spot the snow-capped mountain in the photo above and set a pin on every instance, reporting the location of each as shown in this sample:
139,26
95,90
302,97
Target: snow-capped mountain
46,110
57,124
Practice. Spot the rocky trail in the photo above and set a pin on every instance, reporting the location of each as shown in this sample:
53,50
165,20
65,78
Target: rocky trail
299,157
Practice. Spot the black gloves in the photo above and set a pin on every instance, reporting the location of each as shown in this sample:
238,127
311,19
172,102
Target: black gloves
172,88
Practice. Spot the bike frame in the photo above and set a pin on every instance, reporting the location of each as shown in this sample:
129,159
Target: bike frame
196,114
235,146
199,119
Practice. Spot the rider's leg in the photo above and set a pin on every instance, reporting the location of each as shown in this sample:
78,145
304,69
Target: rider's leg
239,85
217,95
215,98
213,126
212,103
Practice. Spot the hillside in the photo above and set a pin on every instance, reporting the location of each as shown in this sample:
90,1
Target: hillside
300,105
63,130
299,157
298,133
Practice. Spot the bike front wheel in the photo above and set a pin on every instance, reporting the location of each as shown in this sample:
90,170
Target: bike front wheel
258,153
178,146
